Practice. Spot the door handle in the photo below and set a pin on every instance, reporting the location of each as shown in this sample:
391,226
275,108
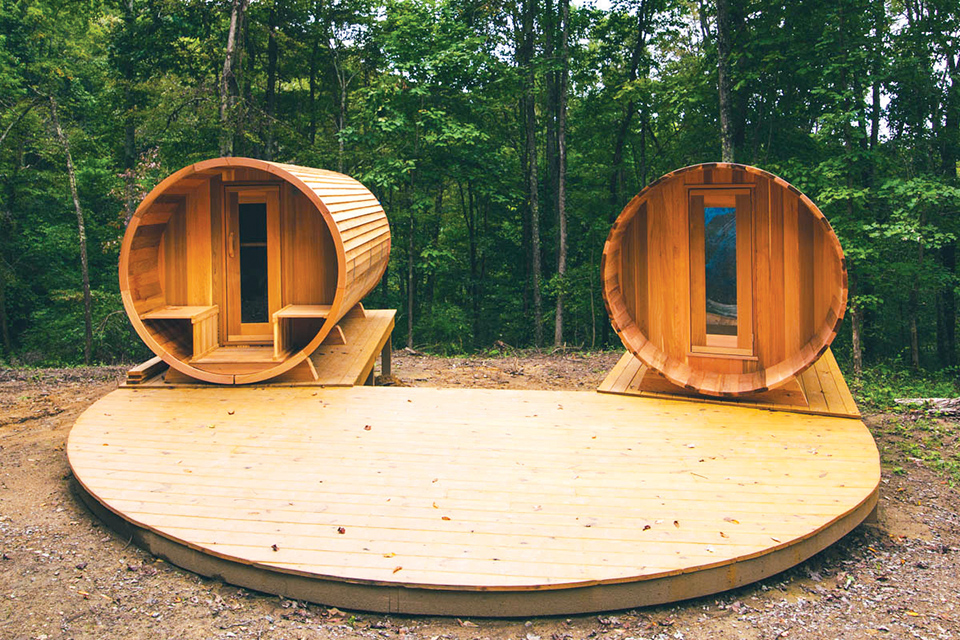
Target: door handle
230,244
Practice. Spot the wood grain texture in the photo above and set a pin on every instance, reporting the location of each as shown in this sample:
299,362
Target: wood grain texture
791,294
555,502
343,365
331,241
804,394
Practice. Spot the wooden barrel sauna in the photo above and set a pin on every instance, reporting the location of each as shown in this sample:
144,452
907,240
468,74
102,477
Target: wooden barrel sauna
724,278
234,270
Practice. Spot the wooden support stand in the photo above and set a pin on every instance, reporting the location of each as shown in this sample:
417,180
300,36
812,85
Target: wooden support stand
347,357
146,370
820,389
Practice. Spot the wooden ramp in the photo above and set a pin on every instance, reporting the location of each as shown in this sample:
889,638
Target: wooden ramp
467,501
820,389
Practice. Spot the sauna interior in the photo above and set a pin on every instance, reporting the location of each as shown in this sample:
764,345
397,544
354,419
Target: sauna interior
234,270
725,279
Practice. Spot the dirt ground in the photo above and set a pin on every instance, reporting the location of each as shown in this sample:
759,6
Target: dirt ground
64,575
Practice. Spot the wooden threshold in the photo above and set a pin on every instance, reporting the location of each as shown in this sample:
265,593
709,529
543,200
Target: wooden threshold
819,390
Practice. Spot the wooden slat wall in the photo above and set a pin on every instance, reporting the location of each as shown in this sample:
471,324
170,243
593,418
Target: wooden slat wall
798,281
362,226
308,255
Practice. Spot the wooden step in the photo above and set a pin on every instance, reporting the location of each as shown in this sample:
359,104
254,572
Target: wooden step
241,354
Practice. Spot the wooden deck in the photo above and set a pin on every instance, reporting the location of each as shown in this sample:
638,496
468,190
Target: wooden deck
336,365
819,390
468,501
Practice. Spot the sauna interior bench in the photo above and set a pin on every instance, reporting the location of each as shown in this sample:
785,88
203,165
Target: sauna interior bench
281,339
302,311
203,320
195,313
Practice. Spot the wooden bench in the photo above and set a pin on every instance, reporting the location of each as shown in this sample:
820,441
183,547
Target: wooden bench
203,320
281,329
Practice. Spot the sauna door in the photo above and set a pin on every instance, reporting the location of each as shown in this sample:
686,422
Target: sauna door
252,250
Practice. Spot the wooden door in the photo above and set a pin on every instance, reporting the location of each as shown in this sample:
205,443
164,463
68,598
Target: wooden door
252,275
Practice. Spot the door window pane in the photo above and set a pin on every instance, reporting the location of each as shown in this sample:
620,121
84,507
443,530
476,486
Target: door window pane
720,249
254,302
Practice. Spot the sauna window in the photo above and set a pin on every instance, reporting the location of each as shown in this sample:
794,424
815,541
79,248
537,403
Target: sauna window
720,270
721,281
254,300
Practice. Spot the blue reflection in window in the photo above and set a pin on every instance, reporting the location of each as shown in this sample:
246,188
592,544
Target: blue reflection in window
720,244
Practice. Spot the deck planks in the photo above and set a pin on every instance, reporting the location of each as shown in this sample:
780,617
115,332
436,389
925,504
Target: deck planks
539,496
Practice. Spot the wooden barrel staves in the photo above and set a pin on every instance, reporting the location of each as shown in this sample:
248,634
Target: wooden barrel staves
725,278
234,270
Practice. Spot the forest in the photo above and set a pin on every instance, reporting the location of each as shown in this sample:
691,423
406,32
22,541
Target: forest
502,137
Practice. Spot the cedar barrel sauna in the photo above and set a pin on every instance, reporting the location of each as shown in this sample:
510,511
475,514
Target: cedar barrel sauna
725,279
234,270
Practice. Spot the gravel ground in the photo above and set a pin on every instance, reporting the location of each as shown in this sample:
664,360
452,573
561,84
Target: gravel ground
64,575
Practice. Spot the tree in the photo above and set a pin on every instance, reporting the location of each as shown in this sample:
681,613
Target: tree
724,34
562,177
81,234
229,82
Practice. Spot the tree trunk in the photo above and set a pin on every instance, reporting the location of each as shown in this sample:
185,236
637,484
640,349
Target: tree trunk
856,326
949,154
913,304
271,81
530,119
229,85
468,209
314,54
723,76
82,234
562,177
624,128
341,124
550,113
342,82
129,125
410,278
4,324
947,325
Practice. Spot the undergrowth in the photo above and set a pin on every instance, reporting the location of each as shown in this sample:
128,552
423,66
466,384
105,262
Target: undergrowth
930,441
881,384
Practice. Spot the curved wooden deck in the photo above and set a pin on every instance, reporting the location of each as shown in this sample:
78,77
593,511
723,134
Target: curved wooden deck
467,501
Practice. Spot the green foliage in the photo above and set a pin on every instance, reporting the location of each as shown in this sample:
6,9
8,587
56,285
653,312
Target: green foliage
55,333
421,101
883,383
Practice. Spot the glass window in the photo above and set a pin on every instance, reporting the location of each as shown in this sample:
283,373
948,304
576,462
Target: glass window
720,266
254,301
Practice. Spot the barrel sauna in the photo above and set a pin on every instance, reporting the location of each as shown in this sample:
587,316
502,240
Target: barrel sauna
725,279
234,270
